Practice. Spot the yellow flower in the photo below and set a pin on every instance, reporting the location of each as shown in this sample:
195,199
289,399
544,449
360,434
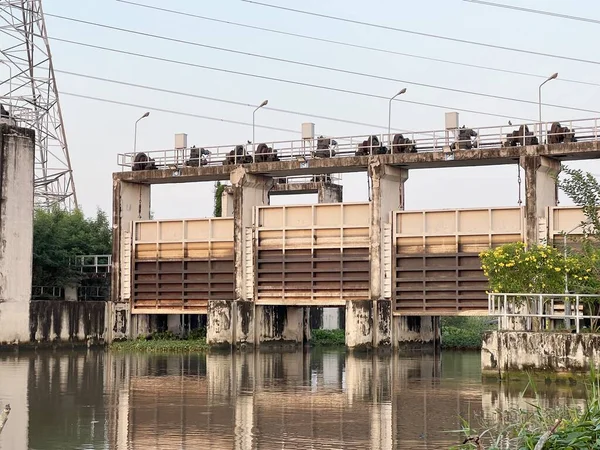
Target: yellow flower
557,269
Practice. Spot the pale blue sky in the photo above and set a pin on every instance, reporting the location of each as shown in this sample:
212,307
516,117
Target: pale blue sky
98,131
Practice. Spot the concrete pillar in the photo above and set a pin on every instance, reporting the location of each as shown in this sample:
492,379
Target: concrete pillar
227,202
131,201
280,324
17,150
330,193
387,195
220,326
71,293
359,324
540,192
416,331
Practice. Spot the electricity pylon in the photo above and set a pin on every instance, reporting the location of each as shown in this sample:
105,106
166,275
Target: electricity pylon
29,94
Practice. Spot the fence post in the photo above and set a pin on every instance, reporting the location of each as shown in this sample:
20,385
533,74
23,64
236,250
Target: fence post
577,314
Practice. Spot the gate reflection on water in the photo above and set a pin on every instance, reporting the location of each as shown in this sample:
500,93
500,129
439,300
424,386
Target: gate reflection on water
266,400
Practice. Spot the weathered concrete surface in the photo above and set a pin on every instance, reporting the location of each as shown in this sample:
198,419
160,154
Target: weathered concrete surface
249,191
387,195
17,154
421,160
540,191
220,326
415,331
504,352
131,201
331,193
244,323
359,324
280,324
65,321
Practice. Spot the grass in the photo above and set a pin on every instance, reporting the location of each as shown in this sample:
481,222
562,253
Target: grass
165,342
557,428
328,338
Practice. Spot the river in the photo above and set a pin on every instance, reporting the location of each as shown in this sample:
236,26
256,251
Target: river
264,400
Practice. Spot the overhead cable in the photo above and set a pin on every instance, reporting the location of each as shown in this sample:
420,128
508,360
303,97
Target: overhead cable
322,67
351,45
535,11
281,80
418,33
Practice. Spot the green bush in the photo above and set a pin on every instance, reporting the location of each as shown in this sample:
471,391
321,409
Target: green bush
327,338
464,333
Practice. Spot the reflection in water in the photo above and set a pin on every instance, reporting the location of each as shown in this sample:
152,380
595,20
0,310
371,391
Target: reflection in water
295,400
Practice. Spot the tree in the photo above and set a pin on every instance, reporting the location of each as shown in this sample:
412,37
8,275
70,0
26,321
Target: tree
584,190
59,236
218,209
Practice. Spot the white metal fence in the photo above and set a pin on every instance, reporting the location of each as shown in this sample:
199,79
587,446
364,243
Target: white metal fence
581,130
548,309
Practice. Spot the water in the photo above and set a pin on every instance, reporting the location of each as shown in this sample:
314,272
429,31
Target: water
301,400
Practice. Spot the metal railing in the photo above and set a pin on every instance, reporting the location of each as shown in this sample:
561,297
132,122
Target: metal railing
485,138
47,293
93,263
304,179
548,308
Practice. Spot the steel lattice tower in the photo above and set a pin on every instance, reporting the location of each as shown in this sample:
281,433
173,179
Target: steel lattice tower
30,95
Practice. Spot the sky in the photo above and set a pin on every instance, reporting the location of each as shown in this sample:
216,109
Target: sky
97,132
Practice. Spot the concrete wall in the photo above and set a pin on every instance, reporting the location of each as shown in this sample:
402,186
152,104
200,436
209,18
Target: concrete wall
67,321
559,353
16,231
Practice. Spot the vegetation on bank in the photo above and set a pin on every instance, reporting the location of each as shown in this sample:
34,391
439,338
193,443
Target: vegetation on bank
558,428
164,342
218,208
464,333
59,236
327,338
541,269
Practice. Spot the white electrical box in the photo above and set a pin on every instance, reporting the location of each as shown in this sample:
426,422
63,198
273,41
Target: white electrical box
451,121
181,140
308,130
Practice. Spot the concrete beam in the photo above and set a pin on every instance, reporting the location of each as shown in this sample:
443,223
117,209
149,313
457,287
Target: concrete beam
540,192
17,153
421,160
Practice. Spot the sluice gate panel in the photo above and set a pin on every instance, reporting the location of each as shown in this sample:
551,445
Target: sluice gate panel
317,255
179,265
436,265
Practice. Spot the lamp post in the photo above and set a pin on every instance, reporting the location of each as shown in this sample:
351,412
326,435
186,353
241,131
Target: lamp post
9,86
146,114
253,114
390,112
551,77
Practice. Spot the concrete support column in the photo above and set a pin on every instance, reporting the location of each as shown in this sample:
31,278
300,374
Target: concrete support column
16,231
234,322
280,324
131,201
540,192
416,331
359,324
330,193
227,202
387,195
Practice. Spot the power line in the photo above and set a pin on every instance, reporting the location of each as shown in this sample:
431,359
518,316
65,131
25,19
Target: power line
318,66
418,33
197,116
535,11
351,45
231,102
282,80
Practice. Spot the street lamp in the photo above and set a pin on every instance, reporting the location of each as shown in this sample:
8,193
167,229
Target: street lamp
146,114
551,77
9,86
253,113
390,112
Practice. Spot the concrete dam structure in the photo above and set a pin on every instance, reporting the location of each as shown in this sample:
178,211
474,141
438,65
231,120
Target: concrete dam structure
257,272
